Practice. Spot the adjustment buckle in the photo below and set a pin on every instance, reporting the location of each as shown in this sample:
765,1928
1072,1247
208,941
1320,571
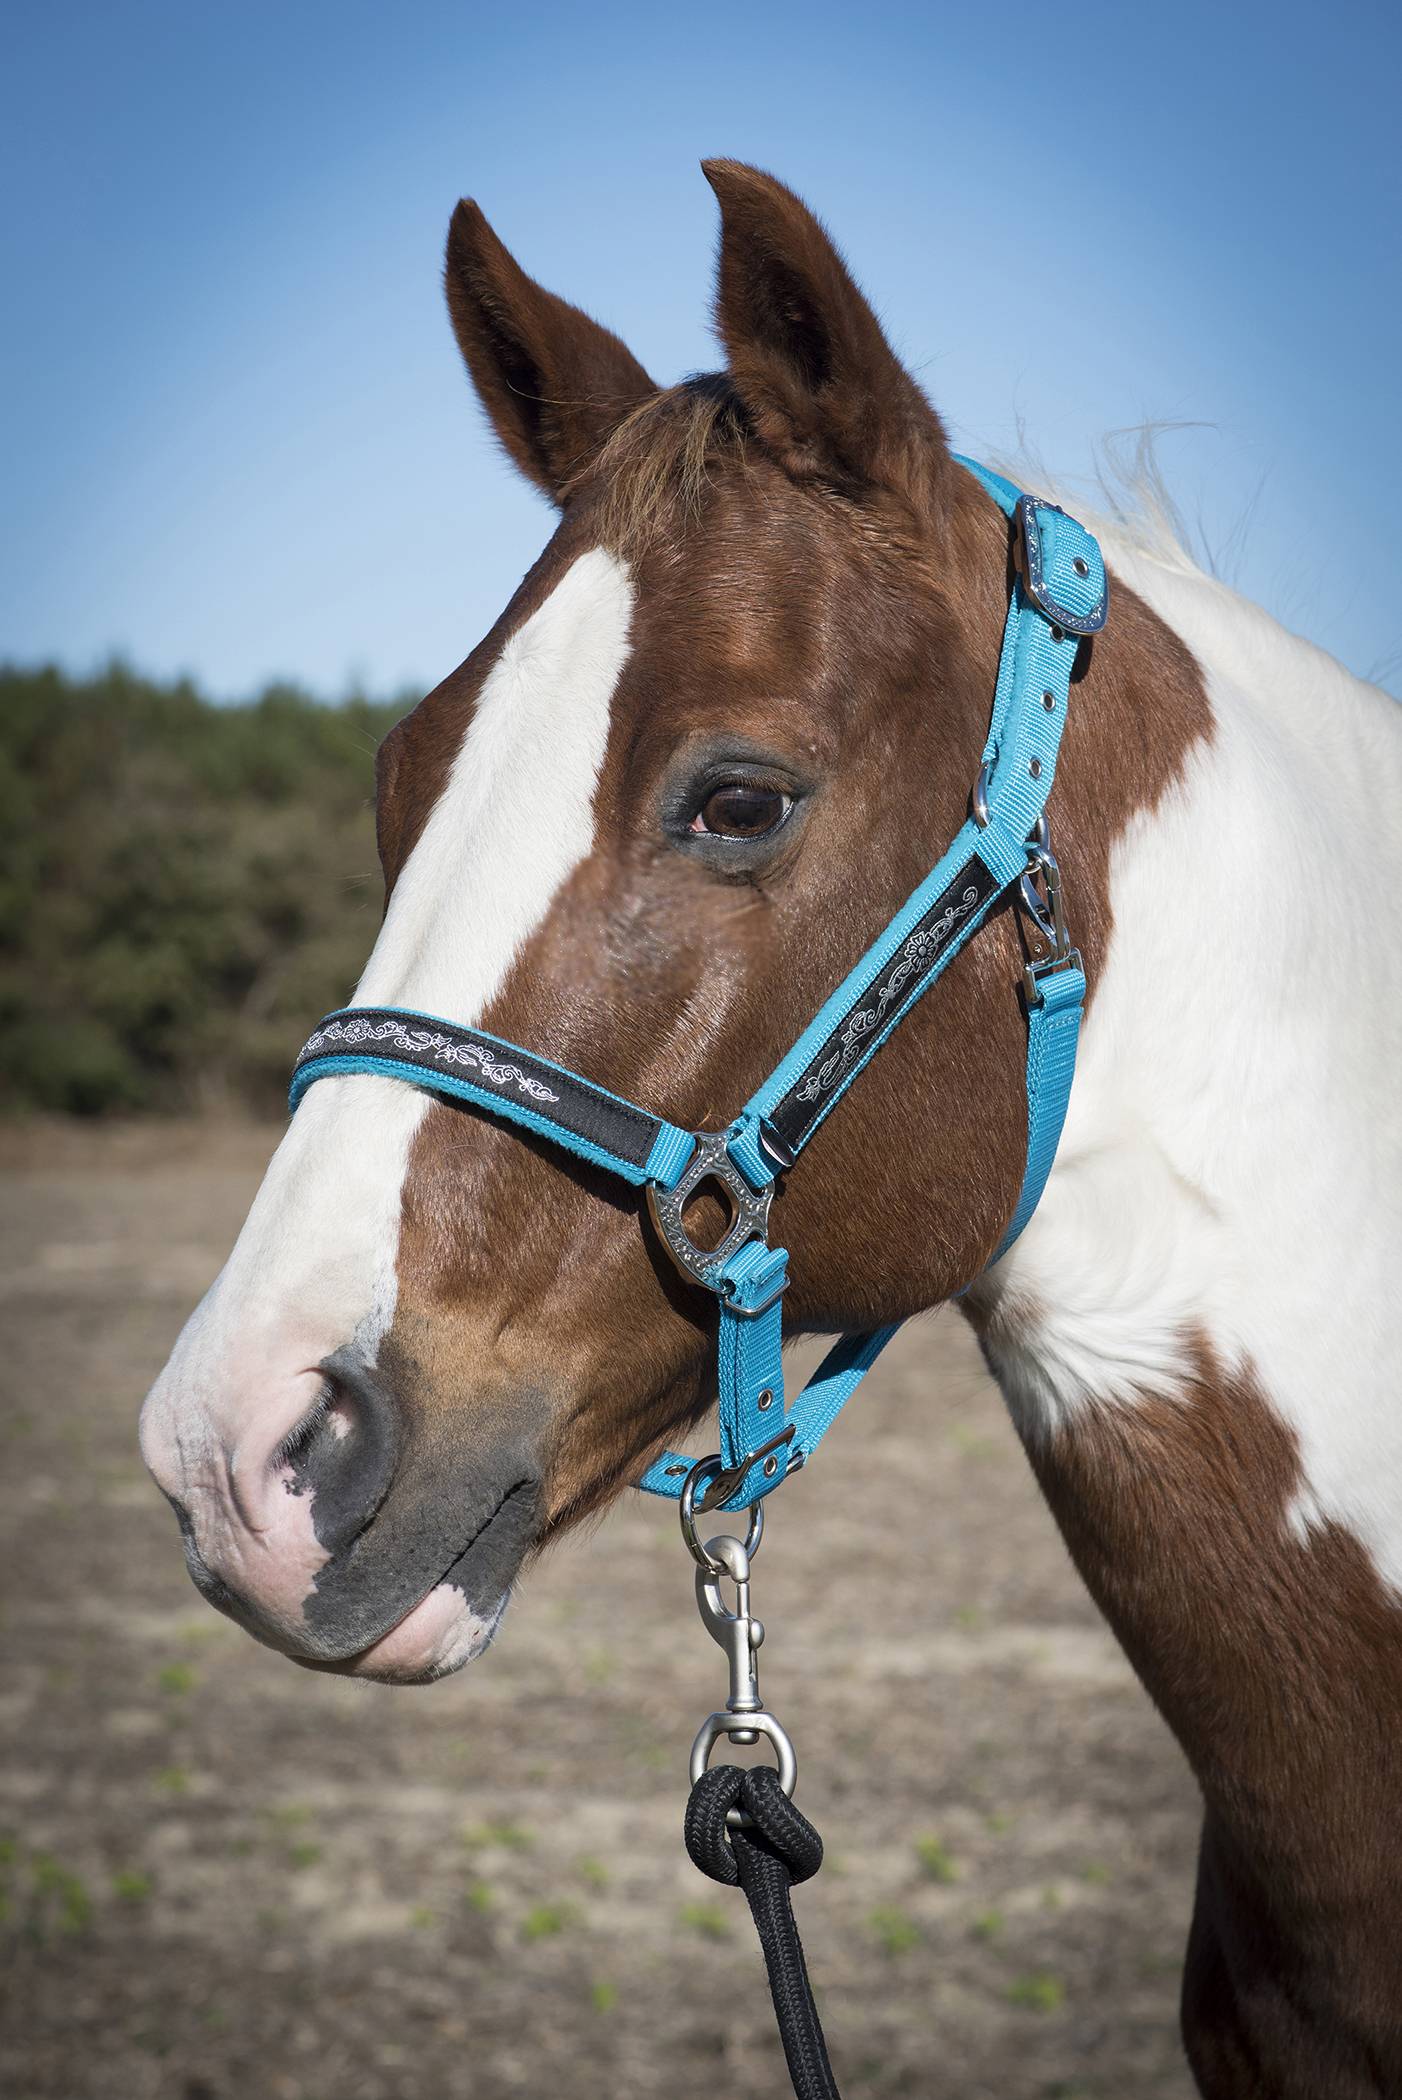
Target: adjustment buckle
1047,911
717,1483
1033,974
763,1284
1047,543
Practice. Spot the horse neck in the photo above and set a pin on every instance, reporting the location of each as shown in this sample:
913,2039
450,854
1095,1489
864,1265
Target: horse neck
1224,1219
1219,1174
1196,1333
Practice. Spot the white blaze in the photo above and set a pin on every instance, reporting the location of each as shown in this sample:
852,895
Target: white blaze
517,812
314,1267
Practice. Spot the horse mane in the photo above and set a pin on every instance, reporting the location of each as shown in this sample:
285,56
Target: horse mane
1127,500
655,467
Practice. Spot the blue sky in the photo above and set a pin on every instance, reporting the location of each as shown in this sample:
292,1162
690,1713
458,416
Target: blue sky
239,441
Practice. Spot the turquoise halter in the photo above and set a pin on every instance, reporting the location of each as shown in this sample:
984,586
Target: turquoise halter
1059,593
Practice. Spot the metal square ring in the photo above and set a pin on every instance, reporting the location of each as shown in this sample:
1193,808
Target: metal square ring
749,1208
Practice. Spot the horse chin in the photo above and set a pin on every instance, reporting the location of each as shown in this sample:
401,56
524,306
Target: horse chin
440,1634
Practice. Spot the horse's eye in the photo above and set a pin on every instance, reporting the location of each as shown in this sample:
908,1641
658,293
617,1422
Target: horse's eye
742,809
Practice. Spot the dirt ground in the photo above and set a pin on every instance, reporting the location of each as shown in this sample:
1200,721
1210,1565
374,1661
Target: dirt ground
223,1876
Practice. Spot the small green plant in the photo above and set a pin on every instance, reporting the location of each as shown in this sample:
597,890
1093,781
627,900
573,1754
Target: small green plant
592,1872
512,1837
422,1918
603,1996
544,1920
175,1779
1041,1992
478,1896
60,1897
130,1885
305,1853
895,1930
177,1678
988,1925
1096,1873
933,1855
706,1918
1052,1898
600,1665
999,1822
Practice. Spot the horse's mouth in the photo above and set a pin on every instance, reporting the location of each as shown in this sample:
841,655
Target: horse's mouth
433,1639
455,1616
449,1619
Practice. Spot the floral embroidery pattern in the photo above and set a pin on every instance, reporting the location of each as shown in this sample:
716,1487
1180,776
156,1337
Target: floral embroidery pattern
913,959
425,1044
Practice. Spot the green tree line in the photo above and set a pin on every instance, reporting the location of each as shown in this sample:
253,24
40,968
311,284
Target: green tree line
184,887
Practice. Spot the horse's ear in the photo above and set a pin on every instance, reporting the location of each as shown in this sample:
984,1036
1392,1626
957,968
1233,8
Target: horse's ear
554,383
826,392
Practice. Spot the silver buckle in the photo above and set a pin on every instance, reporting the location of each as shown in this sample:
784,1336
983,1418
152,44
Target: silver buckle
749,1208
720,1482
1029,559
1047,912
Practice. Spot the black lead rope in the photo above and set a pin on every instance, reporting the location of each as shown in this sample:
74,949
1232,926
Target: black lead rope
777,1848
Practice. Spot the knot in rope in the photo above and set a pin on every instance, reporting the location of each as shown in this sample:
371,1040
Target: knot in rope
775,1848
775,1824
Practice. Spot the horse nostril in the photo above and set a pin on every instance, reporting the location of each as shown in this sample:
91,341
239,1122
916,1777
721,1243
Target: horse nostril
344,1452
327,1414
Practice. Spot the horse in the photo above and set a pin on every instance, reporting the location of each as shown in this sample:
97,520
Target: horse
721,730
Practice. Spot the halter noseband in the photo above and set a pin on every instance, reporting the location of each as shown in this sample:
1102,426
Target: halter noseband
1058,594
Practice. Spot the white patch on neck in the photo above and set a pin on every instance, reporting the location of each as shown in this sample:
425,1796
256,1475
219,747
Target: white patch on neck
1232,1160
315,1264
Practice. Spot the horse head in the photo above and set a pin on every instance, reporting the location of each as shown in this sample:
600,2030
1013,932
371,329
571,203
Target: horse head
727,723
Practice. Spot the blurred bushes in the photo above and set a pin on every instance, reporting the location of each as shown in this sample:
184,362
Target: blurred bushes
184,888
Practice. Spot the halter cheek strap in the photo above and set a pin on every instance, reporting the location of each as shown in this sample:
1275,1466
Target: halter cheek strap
1059,593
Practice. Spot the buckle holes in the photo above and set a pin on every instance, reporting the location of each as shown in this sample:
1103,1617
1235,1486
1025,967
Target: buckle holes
1081,565
708,1214
672,1471
1035,769
1058,634
771,1467
1049,701
765,1400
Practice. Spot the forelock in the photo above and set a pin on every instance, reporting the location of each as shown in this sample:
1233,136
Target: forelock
659,463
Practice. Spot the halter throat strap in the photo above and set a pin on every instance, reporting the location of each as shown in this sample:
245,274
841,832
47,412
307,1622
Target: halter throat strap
1059,594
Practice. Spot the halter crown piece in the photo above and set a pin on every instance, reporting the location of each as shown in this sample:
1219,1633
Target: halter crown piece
1059,593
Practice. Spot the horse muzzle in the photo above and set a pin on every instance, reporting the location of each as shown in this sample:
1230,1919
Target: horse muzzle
359,1540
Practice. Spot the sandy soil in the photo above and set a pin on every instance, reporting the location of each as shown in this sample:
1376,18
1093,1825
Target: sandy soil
223,1876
